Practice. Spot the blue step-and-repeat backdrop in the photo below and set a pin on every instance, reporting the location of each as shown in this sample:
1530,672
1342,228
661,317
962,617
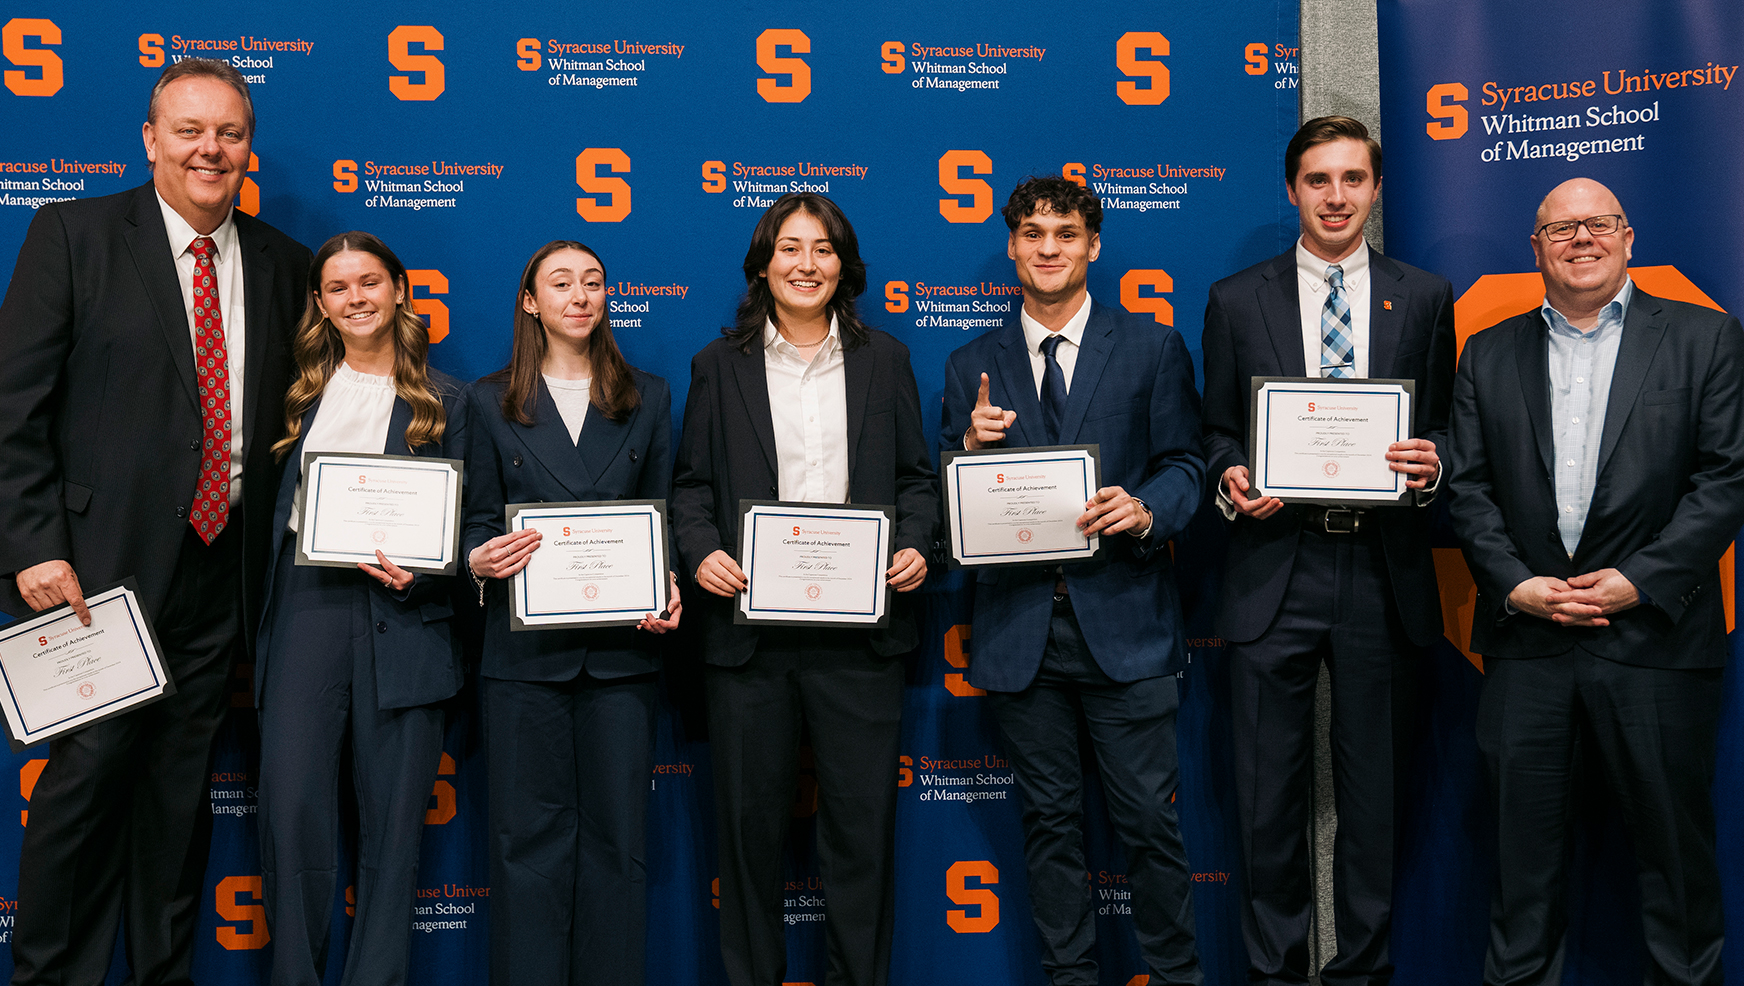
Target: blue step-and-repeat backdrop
466,135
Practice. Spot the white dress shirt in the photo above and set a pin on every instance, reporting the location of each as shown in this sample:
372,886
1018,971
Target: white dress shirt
356,409
227,268
1071,338
1311,296
1581,364
809,404
571,398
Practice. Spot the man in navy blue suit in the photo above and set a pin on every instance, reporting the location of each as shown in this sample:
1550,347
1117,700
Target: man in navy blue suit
1095,643
1352,588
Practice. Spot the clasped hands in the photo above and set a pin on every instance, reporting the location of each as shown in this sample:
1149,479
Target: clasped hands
504,555
1582,601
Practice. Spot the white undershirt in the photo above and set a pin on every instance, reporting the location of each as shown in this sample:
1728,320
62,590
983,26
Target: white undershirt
227,268
1311,281
571,398
355,411
808,400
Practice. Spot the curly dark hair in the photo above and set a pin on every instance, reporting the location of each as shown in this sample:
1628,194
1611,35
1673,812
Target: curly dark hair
1056,194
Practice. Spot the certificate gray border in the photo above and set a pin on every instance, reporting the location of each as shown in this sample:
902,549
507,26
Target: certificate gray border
459,465
1406,498
513,510
951,506
889,512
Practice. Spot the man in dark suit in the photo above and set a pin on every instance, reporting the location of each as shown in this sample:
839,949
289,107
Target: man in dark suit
121,456
1353,588
1597,477
1098,642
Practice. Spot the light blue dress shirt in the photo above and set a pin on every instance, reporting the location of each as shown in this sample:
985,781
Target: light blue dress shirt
1581,364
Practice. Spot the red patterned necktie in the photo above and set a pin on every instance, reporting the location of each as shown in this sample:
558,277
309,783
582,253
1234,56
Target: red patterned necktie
212,363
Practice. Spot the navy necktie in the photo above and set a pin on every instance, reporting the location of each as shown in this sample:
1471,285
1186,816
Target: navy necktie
1053,389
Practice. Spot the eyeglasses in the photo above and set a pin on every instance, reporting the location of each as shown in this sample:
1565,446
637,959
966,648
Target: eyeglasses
1596,226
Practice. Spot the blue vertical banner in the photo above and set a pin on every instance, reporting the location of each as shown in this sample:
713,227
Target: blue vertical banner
1487,105
467,135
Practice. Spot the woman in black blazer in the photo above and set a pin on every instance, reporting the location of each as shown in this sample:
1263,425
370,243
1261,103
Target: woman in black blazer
568,713
800,400
367,652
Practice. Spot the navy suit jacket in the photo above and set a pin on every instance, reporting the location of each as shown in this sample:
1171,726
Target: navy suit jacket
1669,497
1132,394
727,453
1253,328
514,463
417,656
99,420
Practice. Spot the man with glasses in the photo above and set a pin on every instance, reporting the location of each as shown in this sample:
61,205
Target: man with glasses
1596,478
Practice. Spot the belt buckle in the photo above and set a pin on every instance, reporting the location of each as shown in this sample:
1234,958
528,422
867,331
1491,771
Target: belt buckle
1340,520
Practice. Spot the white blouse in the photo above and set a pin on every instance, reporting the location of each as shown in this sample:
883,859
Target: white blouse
353,417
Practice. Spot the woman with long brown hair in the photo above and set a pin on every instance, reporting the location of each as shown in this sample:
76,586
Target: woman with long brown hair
364,653
568,712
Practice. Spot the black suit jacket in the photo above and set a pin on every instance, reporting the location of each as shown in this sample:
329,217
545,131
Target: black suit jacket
99,430
514,463
1670,487
727,453
1253,327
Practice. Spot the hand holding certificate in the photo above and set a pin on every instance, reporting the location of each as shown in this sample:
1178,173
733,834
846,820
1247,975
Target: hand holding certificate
407,507
1325,441
58,675
598,564
811,564
1020,506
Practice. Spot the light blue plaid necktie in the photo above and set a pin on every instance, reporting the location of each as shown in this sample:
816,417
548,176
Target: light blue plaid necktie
1337,341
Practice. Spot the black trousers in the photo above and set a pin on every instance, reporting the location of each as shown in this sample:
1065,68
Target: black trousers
851,699
570,763
120,821
1338,608
320,692
1132,732
1653,733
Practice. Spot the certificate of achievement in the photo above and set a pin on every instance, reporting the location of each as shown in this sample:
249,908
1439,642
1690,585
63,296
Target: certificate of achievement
406,506
1319,440
809,564
58,675
598,564
1020,506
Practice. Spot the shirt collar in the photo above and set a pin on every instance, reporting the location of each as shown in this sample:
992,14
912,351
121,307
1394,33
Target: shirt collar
1613,313
182,235
1313,270
775,342
1073,331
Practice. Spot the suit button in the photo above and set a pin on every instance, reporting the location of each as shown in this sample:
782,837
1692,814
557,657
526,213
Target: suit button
181,511
772,491
381,626
194,445
517,460
632,455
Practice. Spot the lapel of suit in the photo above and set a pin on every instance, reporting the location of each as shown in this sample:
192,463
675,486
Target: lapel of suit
1093,352
753,380
257,276
1016,382
292,474
148,243
1643,328
1386,315
398,422
600,440
1280,306
1532,355
547,439
857,375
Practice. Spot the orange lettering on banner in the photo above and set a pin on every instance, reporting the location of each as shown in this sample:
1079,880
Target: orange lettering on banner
905,772
527,50
770,60
1074,172
715,888
714,177
400,42
957,656
351,901
1126,56
28,775
1134,299
892,52
248,198
443,792
952,181
48,81
1453,119
1256,58
435,312
345,175
896,296
588,177
151,53
1459,600
1142,979
957,888
252,914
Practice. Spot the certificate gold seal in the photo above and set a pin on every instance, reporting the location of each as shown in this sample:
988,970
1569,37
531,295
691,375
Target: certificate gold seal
1330,469
813,591
1025,535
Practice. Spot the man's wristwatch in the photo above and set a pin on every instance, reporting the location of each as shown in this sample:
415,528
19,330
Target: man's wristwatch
1141,535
